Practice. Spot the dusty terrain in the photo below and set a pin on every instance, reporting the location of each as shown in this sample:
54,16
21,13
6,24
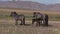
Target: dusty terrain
7,24
9,27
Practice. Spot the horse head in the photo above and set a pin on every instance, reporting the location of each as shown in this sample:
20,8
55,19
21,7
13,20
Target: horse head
13,14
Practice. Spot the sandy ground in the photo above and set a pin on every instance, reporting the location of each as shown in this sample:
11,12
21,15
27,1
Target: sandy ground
9,27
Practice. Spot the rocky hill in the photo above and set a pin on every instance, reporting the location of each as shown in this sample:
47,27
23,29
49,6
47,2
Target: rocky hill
29,5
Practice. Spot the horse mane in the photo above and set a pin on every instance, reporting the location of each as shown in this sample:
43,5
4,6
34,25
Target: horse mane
15,13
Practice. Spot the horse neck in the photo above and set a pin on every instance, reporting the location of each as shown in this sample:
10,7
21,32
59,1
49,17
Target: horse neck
15,15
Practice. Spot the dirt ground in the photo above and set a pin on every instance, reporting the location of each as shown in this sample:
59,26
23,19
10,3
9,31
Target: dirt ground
9,27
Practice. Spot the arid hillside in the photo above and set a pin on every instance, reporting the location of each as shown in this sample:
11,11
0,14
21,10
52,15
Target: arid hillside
29,5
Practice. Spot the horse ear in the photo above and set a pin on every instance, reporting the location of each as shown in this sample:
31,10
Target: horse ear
34,12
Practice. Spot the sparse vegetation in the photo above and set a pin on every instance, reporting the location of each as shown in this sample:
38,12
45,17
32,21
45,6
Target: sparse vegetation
7,24
53,15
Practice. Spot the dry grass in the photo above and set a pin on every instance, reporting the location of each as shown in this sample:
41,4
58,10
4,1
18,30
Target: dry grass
7,25
53,15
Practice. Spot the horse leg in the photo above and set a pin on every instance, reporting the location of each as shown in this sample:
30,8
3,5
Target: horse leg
46,22
16,22
39,22
21,22
36,23
33,20
24,21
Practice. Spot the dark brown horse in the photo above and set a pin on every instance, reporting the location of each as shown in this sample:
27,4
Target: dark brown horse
46,20
17,17
38,18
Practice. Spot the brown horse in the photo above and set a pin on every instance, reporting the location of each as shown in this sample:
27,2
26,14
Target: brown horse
17,17
38,18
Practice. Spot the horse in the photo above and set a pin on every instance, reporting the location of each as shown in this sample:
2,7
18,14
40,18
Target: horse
38,18
46,20
17,17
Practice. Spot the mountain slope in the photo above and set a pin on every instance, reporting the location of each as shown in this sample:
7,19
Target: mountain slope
54,7
29,5
23,5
